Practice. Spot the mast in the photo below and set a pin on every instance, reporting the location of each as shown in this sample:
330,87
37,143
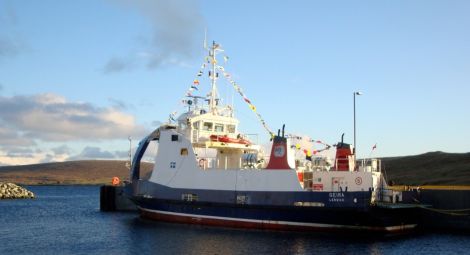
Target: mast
212,52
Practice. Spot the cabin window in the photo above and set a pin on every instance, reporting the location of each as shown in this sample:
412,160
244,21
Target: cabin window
189,197
174,138
207,126
231,129
219,127
184,151
309,204
196,125
182,126
242,199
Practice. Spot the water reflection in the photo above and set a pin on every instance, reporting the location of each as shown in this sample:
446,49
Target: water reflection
67,220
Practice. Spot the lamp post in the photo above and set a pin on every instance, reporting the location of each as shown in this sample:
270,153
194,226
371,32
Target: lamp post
356,93
130,150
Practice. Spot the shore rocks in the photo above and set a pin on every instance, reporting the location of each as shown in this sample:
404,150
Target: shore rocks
13,191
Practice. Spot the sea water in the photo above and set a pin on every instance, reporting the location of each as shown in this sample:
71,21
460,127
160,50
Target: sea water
67,220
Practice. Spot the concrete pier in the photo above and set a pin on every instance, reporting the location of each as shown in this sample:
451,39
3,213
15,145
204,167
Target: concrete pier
449,208
112,198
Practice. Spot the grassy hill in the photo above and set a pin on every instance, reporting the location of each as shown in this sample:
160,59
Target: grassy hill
434,168
71,172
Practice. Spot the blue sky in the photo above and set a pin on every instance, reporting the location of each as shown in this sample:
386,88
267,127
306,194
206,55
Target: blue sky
78,77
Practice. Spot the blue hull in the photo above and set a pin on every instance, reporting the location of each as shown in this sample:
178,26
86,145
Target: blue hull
271,210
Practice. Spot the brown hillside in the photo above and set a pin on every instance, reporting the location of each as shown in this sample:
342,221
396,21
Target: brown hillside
72,172
433,168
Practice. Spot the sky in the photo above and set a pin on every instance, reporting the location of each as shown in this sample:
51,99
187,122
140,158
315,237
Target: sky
77,78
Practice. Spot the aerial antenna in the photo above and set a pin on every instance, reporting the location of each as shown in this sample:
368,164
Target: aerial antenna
205,39
129,163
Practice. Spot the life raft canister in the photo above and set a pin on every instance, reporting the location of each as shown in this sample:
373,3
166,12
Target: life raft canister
115,181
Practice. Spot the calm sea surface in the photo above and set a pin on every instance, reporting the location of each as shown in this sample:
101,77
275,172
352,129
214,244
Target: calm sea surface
67,220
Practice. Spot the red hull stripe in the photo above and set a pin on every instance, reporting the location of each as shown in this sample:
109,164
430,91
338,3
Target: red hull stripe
260,224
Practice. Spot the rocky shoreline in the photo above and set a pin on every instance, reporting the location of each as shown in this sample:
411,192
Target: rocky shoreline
13,191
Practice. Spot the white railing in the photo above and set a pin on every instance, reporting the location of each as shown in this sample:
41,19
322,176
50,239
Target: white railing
206,163
253,138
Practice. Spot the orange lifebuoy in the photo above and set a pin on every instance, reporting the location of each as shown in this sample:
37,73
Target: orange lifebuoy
116,181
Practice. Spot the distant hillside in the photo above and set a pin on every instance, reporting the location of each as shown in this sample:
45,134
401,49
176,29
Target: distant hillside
433,168
72,172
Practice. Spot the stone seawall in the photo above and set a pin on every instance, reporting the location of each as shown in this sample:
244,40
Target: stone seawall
13,191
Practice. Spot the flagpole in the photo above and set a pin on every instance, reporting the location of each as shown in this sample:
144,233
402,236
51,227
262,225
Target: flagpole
212,54
356,93
354,112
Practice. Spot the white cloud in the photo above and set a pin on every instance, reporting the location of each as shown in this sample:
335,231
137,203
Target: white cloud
29,125
91,152
177,28
11,44
118,64
9,158
50,117
61,150
13,138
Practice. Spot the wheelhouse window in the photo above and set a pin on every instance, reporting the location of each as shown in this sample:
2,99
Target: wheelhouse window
182,125
207,126
231,129
219,127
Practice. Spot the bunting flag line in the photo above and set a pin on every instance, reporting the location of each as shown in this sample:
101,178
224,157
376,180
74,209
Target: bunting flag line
298,146
172,116
245,98
193,87
237,88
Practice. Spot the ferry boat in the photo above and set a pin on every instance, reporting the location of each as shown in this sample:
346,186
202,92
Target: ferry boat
207,172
